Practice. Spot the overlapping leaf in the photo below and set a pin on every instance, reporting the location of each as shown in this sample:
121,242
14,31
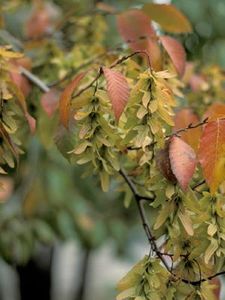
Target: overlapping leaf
168,17
176,53
135,28
212,153
118,90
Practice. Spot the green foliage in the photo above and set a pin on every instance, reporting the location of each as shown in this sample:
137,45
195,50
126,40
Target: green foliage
115,115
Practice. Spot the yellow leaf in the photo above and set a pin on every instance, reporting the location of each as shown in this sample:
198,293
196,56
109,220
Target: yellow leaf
186,221
211,250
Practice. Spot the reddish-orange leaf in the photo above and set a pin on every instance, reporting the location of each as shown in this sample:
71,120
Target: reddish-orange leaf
50,101
182,160
176,53
182,119
168,17
215,111
135,28
118,90
212,153
64,102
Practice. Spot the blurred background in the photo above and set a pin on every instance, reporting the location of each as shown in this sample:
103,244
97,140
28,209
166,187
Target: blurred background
61,237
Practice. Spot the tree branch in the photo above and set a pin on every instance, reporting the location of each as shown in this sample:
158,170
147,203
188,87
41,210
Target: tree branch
34,79
145,224
190,126
113,65
151,238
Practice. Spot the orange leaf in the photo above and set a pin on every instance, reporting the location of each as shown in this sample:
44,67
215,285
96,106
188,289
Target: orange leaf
182,160
50,101
215,111
64,102
135,28
212,153
183,118
118,90
168,17
176,53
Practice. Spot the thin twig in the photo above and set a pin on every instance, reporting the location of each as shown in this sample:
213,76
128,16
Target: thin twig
145,224
190,126
34,79
151,238
198,184
113,65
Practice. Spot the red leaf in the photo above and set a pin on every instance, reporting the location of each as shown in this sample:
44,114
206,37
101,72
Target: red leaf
50,101
182,160
182,119
64,102
176,53
118,90
135,28
211,153
168,17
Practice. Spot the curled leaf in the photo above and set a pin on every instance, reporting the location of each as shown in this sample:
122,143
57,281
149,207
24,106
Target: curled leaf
163,163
